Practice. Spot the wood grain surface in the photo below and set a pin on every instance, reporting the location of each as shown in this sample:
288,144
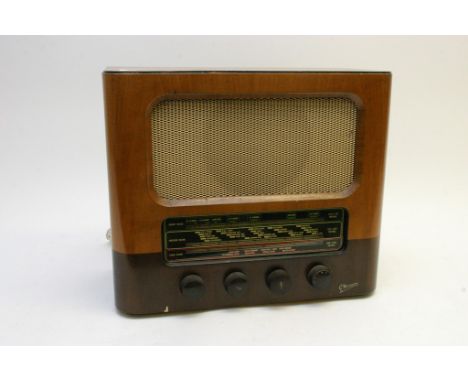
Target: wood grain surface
137,212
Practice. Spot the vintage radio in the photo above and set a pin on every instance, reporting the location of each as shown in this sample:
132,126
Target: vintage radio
237,188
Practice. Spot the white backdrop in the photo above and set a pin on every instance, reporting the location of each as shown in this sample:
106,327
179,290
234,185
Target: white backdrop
55,269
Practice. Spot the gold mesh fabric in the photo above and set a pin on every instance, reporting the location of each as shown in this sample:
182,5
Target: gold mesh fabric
246,147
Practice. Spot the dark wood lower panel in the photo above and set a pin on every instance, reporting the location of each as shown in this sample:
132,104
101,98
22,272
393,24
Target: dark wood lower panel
145,284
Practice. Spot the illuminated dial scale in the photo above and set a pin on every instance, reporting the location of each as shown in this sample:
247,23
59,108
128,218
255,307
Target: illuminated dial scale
253,235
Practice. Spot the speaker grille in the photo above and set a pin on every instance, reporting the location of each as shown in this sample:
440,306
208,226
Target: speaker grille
250,147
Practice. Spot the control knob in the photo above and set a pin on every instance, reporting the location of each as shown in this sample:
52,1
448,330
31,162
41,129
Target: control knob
278,281
235,283
192,286
320,277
